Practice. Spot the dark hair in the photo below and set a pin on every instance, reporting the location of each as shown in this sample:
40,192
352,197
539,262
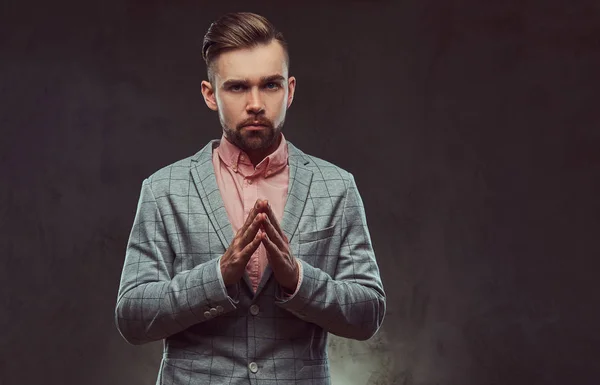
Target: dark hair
238,30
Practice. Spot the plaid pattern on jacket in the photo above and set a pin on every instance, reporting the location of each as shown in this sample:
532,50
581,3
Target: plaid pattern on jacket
171,287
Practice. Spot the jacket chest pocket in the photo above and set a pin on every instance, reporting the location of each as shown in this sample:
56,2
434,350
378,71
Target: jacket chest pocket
315,236
318,247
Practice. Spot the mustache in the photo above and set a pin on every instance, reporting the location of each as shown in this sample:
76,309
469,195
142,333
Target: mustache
256,122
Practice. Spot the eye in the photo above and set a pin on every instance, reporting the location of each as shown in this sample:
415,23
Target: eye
272,86
236,87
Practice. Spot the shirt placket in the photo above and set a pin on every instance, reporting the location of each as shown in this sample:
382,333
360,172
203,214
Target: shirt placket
250,195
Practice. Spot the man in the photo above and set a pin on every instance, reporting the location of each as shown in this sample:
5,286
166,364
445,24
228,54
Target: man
245,255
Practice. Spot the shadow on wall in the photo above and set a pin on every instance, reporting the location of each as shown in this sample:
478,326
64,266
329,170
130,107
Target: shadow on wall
361,362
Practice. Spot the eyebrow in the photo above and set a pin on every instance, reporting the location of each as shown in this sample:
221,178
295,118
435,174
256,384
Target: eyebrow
263,79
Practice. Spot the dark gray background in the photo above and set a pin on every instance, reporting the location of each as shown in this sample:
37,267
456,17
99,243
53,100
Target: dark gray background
472,128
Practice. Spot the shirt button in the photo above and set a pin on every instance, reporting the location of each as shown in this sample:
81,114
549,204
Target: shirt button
241,157
253,367
254,309
249,181
207,314
268,172
213,312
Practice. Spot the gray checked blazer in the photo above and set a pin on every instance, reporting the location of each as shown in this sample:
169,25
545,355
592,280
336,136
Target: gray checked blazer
171,287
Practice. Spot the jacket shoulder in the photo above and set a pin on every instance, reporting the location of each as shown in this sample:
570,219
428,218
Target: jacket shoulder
322,169
175,170
176,176
180,169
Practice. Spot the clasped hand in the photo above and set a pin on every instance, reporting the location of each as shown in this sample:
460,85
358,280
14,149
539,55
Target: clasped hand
261,226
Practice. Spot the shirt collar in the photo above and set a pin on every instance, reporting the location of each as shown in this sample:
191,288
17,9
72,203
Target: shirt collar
232,155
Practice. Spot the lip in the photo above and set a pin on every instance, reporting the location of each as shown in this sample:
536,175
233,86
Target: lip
254,127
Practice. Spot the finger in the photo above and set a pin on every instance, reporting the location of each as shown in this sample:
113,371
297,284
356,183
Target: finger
273,220
251,247
261,205
273,252
250,218
274,236
252,230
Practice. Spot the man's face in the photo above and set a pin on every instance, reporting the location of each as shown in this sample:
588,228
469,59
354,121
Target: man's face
251,92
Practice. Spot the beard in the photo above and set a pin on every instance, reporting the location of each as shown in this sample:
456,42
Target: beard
250,141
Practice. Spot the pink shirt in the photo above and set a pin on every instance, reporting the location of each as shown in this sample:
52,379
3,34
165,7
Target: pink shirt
241,185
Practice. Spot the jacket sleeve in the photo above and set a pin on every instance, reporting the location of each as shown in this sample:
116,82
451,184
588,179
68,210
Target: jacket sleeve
153,302
352,303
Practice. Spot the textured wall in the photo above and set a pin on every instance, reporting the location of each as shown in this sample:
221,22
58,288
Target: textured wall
472,129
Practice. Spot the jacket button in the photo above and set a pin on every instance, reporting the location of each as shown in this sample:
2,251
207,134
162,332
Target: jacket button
213,312
220,309
207,314
254,309
253,367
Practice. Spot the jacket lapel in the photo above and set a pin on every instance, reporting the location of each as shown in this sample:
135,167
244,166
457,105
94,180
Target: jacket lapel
203,176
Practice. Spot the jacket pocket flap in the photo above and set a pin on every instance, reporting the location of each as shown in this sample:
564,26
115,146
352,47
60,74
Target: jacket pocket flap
316,235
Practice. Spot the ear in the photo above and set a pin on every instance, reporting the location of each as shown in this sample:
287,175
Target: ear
209,95
291,90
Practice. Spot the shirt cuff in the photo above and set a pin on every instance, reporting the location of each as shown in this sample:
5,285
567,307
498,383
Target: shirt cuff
231,290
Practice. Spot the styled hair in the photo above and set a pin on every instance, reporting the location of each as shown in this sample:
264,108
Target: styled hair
238,30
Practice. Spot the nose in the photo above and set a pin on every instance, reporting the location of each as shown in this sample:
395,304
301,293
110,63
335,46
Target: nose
255,103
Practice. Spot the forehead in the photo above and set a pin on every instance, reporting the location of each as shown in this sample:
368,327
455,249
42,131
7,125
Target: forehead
252,63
